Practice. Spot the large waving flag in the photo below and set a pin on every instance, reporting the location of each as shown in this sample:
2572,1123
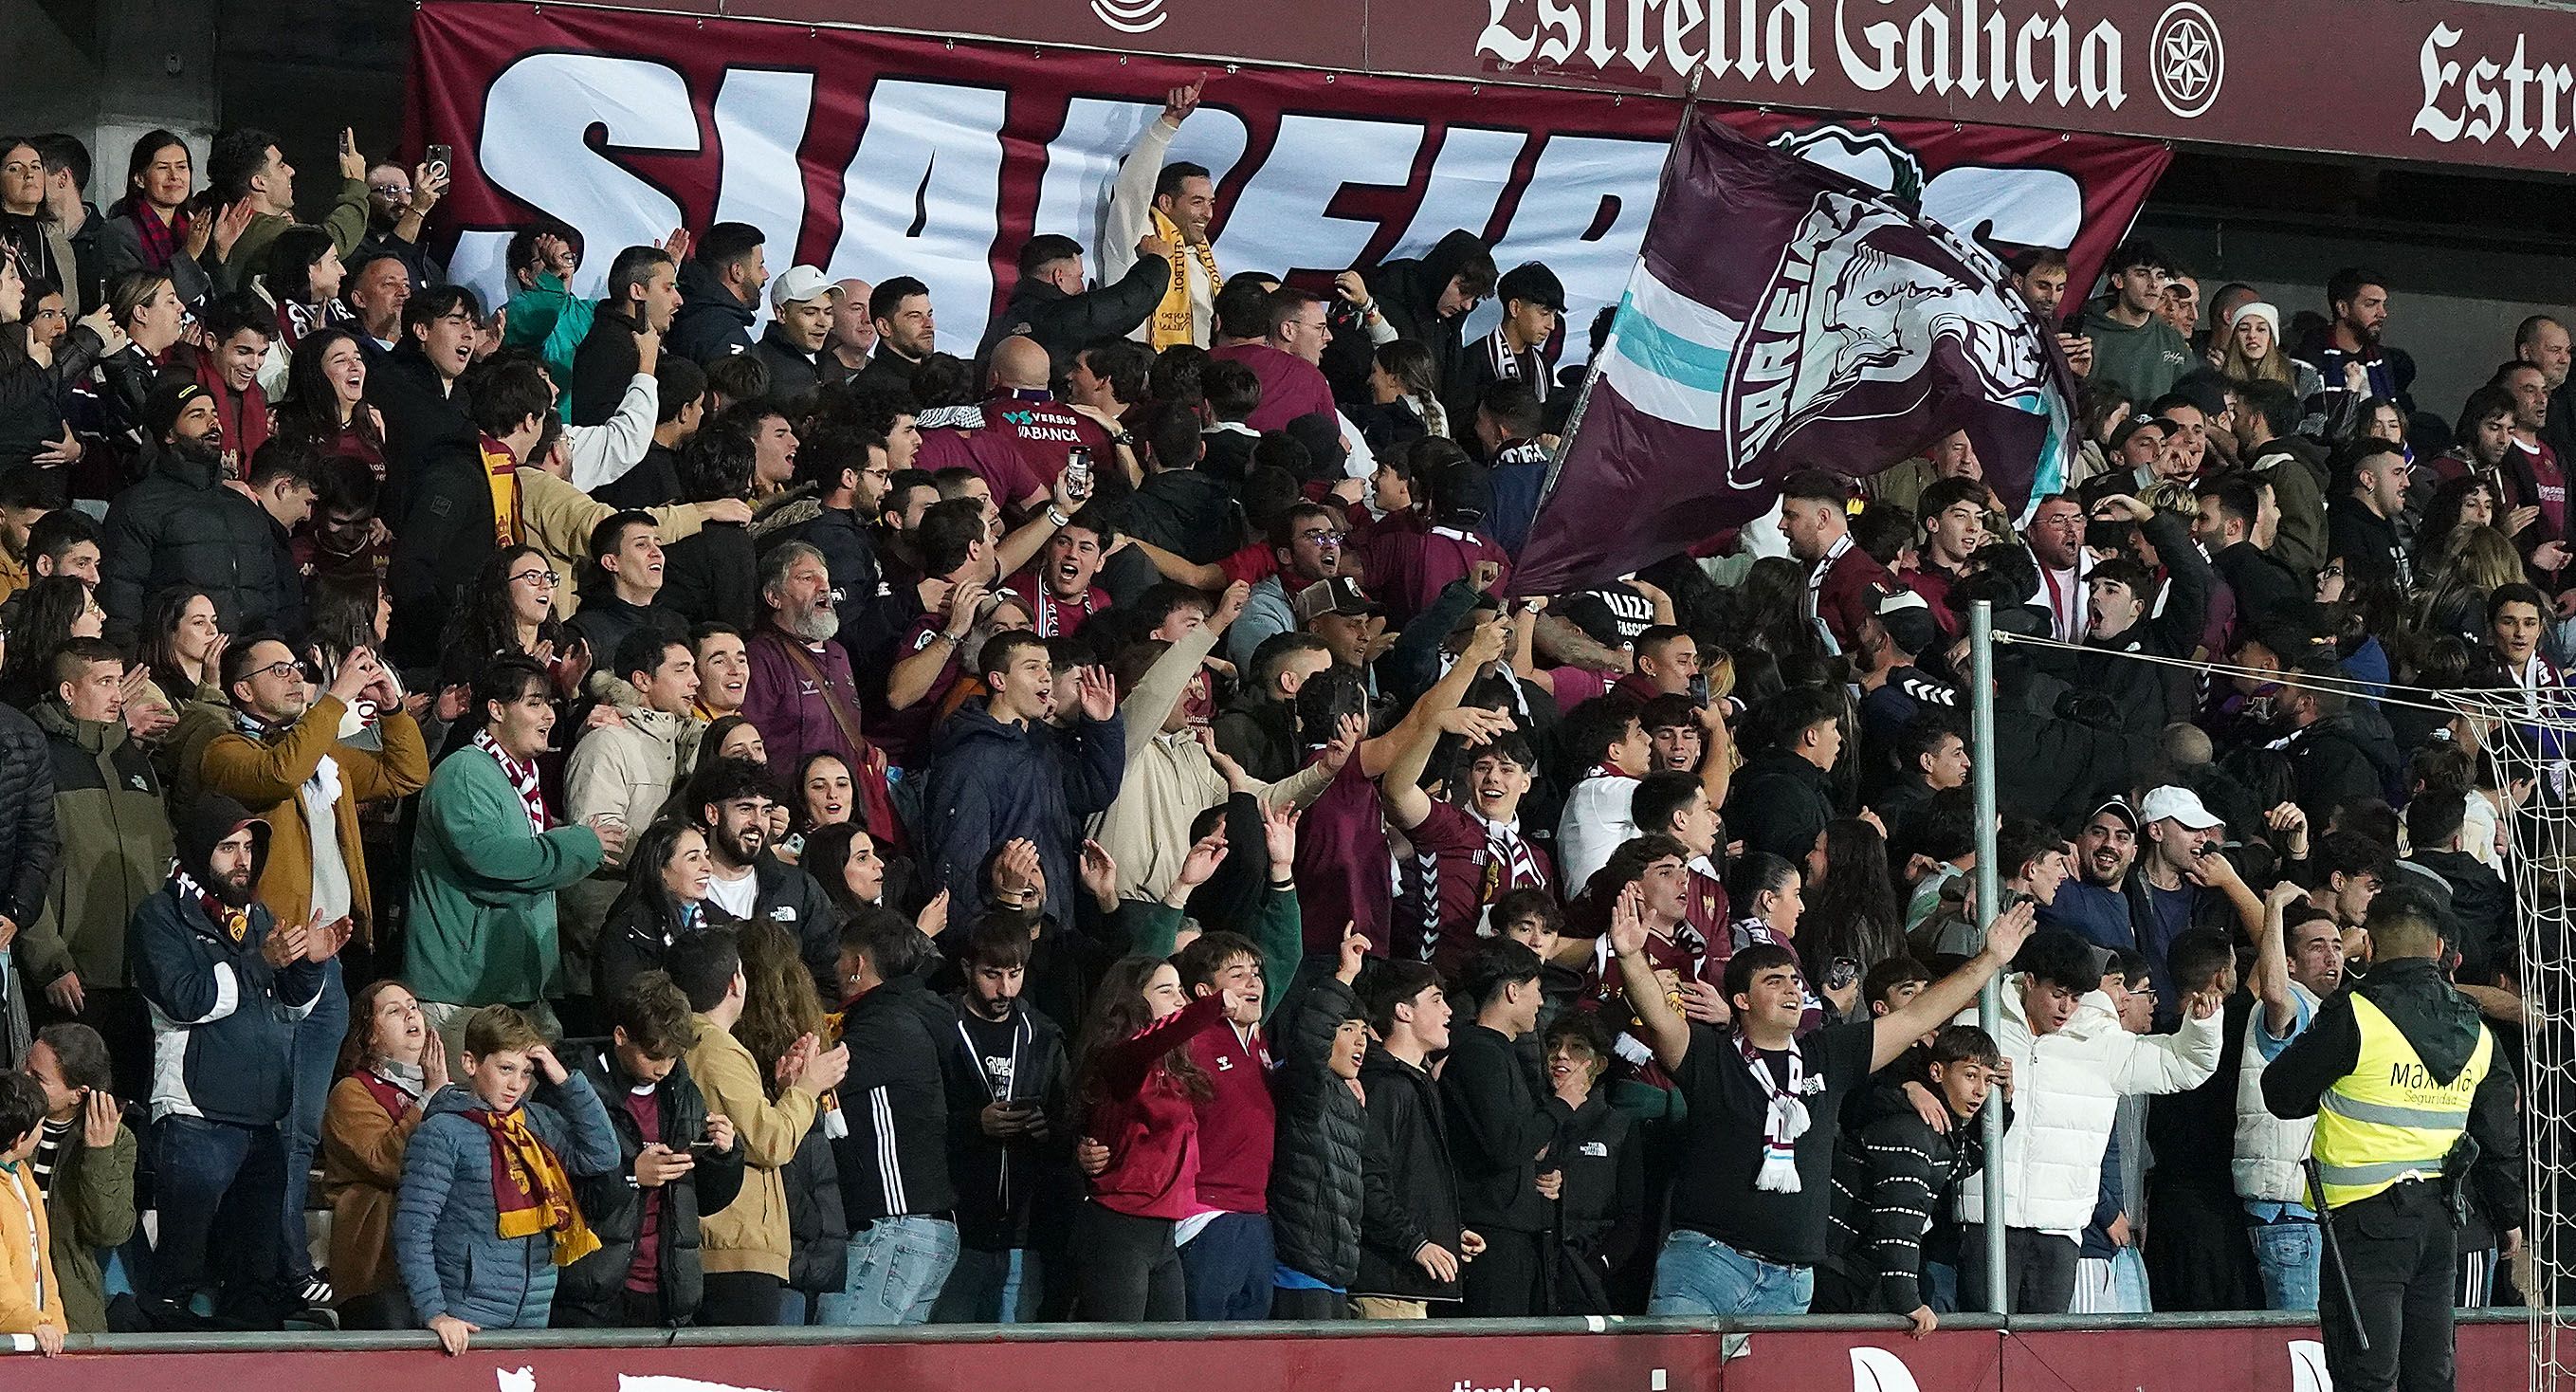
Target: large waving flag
1782,317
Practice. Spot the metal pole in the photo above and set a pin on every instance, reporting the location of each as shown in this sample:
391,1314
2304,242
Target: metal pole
1990,1000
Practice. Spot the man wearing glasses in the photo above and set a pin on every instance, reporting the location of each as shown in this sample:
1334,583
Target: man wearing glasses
1306,543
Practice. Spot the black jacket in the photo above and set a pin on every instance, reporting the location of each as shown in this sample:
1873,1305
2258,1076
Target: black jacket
653,482
2482,912
1409,1193
849,550
604,620
28,838
1778,803
712,577
591,1289
421,423
2443,1028
2367,542
603,365
1318,1166
2338,761
894,1161
1408,294
31,394
1890,1176
1601,1212
794,374
1260,735
2262,584
1063,323
818,1236
999,1183
2149,695
1499,1122
711,323
442,540
1183,511
633,940
181,527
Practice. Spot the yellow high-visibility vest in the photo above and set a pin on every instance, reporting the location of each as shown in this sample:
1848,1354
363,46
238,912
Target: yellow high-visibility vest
2388,1121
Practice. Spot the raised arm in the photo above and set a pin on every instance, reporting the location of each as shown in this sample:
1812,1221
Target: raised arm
2272,963
1379,754
1665,1031
1896,1031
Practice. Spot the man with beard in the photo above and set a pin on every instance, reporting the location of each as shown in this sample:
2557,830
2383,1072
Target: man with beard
719,293
2347,352
227,984
730,800
181,527
2095,901
907,332
1050,305
1009,1096
845,473
801,694
2224,526
1815,517
487,859
2056,540
2361,525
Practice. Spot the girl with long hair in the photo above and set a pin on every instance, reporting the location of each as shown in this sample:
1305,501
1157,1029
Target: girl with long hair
326,399
1138,1088
302,278
665,899
1403,384
390,1064
51,610
153,218
2475,562
183,647
2253,350
1850,900
509,611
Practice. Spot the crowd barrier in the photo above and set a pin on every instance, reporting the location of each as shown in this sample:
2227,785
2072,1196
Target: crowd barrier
2230,1353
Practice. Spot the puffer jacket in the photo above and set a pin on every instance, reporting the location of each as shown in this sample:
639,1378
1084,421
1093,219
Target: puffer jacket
1315,1171
115,852
2067,1087
446,1223
818,1229
28,837
1409,1193
614,1204
711,323
182,527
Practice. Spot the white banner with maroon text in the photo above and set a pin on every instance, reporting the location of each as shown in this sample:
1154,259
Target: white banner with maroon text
873,155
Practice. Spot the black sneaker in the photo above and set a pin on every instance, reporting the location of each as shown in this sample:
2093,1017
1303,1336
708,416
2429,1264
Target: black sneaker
315,1293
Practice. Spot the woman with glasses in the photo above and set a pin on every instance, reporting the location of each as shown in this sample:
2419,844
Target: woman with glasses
508,611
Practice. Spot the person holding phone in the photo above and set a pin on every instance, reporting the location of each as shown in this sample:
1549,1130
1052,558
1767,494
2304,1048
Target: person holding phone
680,1161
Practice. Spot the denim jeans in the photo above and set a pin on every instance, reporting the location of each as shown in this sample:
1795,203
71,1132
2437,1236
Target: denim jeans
1230,1267
1698,1275
218,1187
2286,1254
992,1288
897,1266
317,1049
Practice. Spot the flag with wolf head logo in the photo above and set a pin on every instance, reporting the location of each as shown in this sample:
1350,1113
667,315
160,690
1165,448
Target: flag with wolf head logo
1783,317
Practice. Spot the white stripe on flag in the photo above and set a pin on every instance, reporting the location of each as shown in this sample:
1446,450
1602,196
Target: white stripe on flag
1667,354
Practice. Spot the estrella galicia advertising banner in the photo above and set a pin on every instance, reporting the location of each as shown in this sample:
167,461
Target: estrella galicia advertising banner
872,155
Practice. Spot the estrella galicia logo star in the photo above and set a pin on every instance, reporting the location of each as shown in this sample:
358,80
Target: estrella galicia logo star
2187,59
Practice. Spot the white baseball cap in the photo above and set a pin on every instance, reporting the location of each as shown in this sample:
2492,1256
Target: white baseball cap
2181,804
798,284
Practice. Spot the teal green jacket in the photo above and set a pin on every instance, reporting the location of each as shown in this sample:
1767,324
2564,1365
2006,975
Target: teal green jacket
553,321
1276,931
482,927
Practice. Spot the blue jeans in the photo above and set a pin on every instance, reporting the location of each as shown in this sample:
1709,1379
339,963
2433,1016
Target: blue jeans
1230,1268
992,1288
217,1187
1698,1275
896,1269
317,1049
2286,1254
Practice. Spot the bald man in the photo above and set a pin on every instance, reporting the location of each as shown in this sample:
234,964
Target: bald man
1028,435
854,334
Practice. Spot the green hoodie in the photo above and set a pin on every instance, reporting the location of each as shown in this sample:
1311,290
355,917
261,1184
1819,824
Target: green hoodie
483,889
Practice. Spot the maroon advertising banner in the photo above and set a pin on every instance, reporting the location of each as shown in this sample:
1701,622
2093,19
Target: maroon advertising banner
2457,81
871,155
2276,1359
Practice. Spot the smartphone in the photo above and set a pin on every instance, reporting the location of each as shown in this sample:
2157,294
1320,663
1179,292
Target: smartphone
1843,972
1077,471
442,157
348,141
702,1149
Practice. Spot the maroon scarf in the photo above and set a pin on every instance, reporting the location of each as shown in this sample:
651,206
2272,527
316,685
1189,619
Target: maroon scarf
158,240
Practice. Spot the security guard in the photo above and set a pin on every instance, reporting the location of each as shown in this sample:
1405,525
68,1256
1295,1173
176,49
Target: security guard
2412,1106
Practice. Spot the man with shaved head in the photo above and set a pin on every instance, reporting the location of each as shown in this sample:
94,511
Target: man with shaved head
854,334
1050,306
1040,433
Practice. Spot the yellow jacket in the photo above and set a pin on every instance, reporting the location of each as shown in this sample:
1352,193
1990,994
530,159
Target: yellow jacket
29,1294
557,519
749,1234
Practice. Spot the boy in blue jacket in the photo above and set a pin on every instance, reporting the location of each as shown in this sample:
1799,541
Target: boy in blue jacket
487,1209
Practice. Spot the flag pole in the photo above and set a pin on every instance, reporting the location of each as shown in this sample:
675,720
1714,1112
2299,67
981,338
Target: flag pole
1592,369
1990,997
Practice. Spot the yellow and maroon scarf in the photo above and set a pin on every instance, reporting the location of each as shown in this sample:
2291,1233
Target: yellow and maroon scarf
504,470
530,1189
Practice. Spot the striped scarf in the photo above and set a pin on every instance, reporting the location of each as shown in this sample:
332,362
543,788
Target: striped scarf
1785,1121
158,240
233,919
522,777
530,1190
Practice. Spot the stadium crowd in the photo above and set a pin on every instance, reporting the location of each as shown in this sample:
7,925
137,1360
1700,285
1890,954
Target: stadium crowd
627,813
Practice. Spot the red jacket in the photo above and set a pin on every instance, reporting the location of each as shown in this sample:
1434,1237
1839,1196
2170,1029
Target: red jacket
1147,1120
1846,596
1237,1123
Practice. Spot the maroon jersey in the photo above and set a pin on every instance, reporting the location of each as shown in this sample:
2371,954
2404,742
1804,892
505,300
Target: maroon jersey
1460,865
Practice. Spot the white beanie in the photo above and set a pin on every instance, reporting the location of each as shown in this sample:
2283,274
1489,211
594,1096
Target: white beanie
2261,310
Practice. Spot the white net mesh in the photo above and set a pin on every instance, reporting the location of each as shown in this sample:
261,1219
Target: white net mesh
2532,735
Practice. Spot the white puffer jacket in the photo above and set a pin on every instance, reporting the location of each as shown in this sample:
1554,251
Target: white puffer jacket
2066,1088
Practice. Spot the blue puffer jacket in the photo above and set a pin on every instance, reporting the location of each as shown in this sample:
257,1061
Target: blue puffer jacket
447,1239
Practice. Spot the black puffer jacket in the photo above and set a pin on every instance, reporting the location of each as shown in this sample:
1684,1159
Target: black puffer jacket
1409,1193
818,1234
182,527
614,1205
28,839
31,393
711,323
1315,1170
1408,294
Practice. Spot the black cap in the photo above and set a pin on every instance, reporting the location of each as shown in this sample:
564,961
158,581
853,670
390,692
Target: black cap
1534,283
1463,492
1340,595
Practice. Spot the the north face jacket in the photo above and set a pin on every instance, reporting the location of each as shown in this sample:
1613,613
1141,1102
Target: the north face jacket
115,831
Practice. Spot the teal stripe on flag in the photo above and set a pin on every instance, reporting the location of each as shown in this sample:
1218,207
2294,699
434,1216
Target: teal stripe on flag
1667,354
